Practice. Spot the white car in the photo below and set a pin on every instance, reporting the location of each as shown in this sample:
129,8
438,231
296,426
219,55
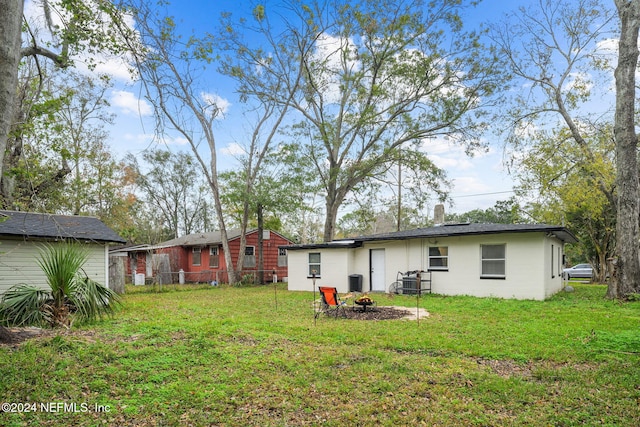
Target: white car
583,271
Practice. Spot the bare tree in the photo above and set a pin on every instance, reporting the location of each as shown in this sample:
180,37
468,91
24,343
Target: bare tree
172,184
171,73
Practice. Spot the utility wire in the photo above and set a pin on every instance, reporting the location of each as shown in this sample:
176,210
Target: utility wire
483,194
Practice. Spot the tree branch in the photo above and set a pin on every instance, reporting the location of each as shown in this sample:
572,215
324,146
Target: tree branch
60,60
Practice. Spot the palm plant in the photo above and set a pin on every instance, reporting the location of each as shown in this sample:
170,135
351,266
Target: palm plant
71,295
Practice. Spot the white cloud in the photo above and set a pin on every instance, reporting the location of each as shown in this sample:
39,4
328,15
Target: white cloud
328,53
453,162
608,47
467,185
220,105
447,155
129,103
148,139
471,192
478,181
34,13
234,149
175,140
117,68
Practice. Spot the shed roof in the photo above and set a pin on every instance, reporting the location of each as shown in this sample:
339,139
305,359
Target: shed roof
199,239
31,225
448,230
205,239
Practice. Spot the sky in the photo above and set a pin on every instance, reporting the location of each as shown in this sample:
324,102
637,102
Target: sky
478,181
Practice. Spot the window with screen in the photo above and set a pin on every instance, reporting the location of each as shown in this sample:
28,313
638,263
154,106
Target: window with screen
493,261
196,255
314,264
214,258
250,256
439,258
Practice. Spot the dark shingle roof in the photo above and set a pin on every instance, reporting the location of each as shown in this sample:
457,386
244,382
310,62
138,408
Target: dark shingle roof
467,229
200,239
47,226
447,230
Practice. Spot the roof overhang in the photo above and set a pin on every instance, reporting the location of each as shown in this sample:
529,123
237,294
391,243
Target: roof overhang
337,244
453,230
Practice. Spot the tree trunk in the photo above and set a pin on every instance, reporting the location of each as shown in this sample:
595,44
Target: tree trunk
10,40
232,276
601,276
162,269
331,219
116,274
626,281
260,245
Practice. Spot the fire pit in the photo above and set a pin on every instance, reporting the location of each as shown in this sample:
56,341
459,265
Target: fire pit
364,302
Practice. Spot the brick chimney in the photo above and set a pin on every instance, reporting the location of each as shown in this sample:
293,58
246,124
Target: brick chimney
438,214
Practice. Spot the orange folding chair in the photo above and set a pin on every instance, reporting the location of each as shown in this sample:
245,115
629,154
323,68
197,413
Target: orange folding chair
331,303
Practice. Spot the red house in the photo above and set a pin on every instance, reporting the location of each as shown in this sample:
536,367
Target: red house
200,258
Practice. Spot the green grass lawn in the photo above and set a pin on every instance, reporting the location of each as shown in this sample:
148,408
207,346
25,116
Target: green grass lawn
255,357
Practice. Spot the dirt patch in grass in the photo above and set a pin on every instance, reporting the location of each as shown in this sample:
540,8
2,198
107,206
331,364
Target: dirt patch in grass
508,368
385,313
12,337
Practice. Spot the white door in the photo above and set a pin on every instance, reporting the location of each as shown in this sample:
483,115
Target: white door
376,257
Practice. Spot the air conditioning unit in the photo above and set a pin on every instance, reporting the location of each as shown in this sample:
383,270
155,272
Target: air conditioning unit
139,279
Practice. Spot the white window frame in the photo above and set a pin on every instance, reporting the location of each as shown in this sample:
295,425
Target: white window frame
314,265
483,260
445,258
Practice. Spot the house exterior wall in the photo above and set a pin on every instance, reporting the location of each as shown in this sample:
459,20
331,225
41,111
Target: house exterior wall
19,263
271,243
178,258
400,255
182,258
531,272
137,263
524,267
335,267
554,264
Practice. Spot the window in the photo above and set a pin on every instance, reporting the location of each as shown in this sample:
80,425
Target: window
250,256
314,264
214,258
439,258
559,261
282,257
196,253
493,260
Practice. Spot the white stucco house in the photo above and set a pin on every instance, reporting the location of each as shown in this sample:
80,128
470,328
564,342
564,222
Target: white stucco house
23,234
519,261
